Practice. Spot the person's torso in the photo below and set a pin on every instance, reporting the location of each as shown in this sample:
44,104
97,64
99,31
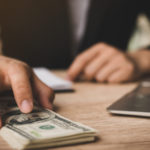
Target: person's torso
38,32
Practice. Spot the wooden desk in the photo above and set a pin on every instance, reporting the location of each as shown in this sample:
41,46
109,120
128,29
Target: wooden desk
88,105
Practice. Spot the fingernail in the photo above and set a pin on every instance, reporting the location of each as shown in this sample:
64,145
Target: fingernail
26,106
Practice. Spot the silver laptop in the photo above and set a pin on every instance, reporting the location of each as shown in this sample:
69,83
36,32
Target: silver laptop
135,103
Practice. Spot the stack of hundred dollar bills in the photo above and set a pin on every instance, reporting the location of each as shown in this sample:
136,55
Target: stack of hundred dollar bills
42,128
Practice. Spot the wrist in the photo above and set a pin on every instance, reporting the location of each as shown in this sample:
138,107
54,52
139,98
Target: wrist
141,58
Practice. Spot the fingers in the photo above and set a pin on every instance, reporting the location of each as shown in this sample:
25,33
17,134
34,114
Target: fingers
100,62
81,61
117,77
122,74
91,60
43,93
24,84
21,86
20,77
115,72
96,65
106,71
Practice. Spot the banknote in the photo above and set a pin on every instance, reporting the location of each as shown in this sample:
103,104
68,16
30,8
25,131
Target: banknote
42,128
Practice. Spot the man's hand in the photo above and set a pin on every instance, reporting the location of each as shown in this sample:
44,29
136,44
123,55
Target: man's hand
19,77
104,63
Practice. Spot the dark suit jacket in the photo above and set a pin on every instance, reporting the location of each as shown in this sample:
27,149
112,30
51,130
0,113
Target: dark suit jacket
38,31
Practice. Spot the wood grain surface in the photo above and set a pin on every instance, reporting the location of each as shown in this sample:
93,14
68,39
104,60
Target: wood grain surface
88,105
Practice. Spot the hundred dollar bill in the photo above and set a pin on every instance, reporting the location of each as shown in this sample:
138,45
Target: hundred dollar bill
42,128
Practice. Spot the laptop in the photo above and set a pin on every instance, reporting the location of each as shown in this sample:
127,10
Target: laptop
135,103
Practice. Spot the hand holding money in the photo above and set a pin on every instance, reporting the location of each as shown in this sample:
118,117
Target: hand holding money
19,77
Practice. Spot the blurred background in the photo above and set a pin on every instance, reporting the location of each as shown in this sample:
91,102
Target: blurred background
141,35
